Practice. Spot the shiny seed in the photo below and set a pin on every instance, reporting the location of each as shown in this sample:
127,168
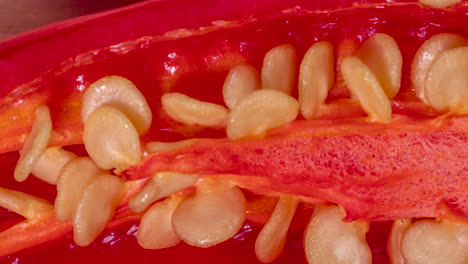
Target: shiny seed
279,69
191,111
260,111
35,144
121,94
439,3
111,140
399,228
241,80
316,76
24,204
156,146
50,163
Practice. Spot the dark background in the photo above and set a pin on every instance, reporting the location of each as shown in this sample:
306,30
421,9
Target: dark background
21,15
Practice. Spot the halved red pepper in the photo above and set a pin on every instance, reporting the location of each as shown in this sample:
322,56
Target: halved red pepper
188,47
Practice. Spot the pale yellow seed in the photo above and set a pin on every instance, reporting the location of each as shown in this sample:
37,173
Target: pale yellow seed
271,239
279,69
72,182
426,54
26,205
121,94
439,3
156,146
261,111
96,208
241,80
435,242
51,162
35,144
446,82
328,239
367,89
214,214
155,230
399,228
191,111
316,76
111,139
381,54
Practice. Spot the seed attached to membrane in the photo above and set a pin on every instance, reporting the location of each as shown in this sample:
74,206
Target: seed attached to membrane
159,186
279,69
111,139
446,82
155,230
260,111
28,206
381,54
191,111
156,146
50,163
426,54
121,94
270,241
96,208
330,240
399,228
72,182
316,76
439,3
431,242
35,144
365,86
241,80
214,214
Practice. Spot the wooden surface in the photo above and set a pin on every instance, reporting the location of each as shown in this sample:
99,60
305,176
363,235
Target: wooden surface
22,15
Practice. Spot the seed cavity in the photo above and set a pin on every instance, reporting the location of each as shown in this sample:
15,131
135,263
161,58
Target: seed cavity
260,111
270,241
26,205
111,139
316,76
330,240
446,82
431,242
426,54
156,146
159,186
383,57
71,183
279,69
96,208
35,144
121,94
155,230
399,228
191,111
50,163
367,89
241,80
214,214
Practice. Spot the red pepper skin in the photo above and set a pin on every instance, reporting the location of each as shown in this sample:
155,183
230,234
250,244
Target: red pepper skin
60,60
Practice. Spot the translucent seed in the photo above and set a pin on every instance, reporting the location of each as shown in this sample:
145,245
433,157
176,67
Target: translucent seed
191,111
431,242
35,144
426,54
111,140
316,76
159,186
121,94
399,228
279,69
271,239
365,86
24,204
72,181
260,111
214,214
241,80
381,54
96,208
328,239
50,163
156,146
446,82
155,230
439,3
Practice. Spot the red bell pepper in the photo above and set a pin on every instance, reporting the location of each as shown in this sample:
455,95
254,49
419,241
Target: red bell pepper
188,47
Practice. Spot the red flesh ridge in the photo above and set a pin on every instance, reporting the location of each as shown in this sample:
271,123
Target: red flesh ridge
36,68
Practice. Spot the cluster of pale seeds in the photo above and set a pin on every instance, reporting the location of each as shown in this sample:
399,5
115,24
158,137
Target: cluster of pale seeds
115,114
